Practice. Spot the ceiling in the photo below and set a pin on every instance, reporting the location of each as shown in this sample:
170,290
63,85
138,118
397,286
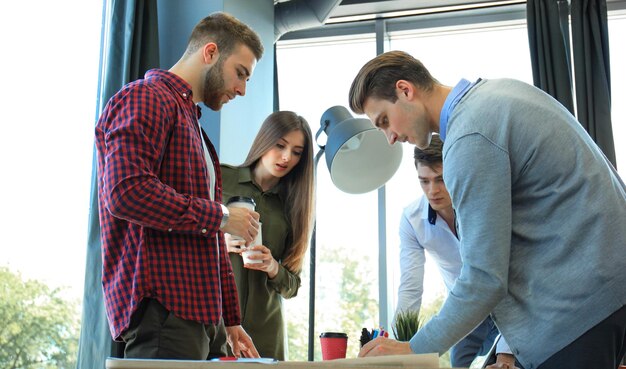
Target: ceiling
294,15
355,8
348,8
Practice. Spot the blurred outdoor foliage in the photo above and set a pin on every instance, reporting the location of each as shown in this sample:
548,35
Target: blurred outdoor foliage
40,329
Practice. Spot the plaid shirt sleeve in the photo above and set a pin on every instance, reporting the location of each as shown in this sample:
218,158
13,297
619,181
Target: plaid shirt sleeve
230,298
136,133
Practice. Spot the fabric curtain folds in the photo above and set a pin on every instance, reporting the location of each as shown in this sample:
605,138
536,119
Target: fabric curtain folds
548,36
130,48
549,40
592,72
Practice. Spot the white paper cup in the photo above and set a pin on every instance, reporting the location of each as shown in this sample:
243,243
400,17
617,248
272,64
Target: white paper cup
246,254
246,257
241,202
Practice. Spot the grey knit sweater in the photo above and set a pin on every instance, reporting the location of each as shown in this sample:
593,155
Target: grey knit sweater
542,221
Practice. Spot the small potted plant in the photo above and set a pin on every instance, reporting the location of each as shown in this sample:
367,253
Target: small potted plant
406,324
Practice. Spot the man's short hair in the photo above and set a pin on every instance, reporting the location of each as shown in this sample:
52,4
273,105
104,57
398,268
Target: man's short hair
377,78
430,156
227,32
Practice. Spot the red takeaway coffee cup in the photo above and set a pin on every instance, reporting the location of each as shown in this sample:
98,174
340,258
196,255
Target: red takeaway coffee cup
333,345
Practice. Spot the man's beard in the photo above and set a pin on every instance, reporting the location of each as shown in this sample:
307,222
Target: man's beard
214,86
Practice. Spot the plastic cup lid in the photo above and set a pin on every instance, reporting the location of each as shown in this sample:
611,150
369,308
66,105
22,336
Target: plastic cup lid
333,335
249,200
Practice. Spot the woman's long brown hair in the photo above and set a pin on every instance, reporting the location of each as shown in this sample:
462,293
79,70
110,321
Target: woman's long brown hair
296,187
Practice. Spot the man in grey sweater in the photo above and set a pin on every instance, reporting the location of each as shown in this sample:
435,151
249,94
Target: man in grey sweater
541,215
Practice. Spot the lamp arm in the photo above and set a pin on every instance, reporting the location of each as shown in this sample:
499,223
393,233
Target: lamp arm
324,124
312,251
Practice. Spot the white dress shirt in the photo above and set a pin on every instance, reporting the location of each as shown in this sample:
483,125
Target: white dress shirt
418,236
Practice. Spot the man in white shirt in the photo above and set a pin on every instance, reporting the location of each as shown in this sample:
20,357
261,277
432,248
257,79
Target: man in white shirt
428,225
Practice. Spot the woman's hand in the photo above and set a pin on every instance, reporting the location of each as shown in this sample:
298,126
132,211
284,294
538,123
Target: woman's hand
233,244
268,264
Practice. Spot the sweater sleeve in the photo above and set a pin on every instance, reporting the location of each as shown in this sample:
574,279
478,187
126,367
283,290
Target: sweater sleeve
478,176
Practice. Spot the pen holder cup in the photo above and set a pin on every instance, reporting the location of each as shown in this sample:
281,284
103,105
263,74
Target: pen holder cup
334,345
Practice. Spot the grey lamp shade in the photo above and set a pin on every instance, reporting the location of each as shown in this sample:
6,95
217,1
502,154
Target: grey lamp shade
358,156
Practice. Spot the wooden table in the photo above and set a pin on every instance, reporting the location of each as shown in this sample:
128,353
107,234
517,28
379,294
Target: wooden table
422,361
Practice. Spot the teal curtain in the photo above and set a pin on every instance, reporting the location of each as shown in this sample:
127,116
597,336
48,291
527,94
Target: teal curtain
130,47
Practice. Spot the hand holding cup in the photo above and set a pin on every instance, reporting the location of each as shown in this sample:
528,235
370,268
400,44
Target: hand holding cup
234,244
260,258
242,222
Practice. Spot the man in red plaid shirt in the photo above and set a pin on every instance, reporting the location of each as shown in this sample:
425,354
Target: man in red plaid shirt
166,275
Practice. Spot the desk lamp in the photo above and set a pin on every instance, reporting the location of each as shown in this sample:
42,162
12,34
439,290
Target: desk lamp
360,160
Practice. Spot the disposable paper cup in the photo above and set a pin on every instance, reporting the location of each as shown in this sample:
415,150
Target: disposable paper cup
241,202
246,257
257,241
334,345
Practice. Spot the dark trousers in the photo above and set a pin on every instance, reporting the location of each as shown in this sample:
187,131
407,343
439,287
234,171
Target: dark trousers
476,343
601,347
156,333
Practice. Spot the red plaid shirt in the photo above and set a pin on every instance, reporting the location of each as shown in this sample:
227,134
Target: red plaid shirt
159,229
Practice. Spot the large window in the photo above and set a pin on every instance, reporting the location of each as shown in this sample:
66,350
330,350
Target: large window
315,74
49,88
50,63
313,77
492,50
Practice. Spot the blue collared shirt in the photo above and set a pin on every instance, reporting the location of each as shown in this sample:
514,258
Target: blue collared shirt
453,98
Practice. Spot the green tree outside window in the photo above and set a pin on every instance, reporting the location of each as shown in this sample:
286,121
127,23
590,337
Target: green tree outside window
39,328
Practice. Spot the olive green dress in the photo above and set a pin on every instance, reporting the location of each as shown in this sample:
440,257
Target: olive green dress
260,298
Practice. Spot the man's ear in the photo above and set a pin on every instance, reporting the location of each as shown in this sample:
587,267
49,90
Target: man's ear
405,88
210,53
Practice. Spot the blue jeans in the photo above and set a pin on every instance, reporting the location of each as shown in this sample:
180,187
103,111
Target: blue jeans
477,343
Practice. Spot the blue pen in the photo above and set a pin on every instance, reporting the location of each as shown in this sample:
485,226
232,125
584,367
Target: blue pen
375,333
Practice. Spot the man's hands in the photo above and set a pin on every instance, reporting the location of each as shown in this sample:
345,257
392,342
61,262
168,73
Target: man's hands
242,222
240,343
382,346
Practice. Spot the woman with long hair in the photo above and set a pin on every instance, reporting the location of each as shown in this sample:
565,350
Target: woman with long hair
278,176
